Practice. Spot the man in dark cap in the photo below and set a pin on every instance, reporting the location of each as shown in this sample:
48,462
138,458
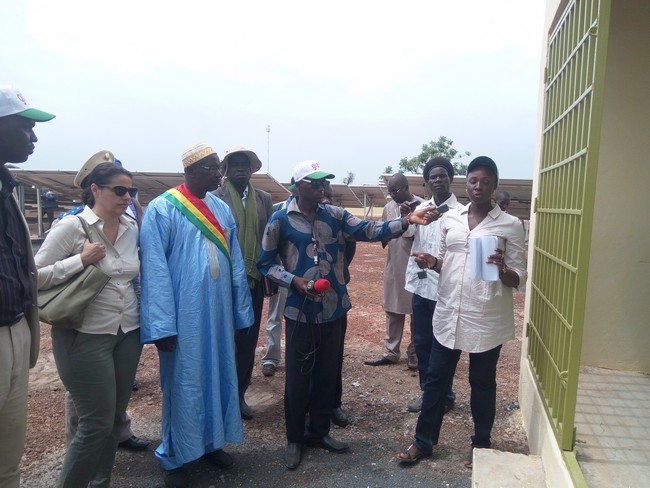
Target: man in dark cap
251,208
19,326
438,174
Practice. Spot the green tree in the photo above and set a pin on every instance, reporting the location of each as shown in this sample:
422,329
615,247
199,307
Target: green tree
388,170
442,147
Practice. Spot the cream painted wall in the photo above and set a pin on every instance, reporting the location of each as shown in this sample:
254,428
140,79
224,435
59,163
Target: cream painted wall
617,315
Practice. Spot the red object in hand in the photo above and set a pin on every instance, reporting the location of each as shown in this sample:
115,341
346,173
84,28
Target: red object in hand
319,286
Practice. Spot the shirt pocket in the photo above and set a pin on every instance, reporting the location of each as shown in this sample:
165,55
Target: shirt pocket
481,294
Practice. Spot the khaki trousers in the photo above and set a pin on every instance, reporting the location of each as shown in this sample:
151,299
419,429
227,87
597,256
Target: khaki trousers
393,339
14,376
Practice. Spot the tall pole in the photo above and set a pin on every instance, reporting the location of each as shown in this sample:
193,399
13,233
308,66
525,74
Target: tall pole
268,148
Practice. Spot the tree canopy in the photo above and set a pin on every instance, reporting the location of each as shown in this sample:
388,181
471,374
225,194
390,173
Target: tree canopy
442,147
347,180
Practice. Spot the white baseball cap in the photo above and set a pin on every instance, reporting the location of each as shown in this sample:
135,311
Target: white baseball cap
310,170
12,102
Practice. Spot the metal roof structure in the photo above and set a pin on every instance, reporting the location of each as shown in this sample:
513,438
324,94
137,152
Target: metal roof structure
520,192
151,184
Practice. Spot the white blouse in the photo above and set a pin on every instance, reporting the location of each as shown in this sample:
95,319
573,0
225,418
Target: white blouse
59,259
476,316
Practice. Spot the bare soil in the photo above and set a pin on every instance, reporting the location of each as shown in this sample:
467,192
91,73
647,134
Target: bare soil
375,398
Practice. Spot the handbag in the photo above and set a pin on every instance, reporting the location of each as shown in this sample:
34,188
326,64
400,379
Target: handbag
64,305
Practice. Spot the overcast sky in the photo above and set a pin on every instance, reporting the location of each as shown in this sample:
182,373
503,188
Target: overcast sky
356,85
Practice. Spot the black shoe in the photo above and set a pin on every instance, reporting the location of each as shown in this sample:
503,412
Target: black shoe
292,455
135,386
268,369
246,412
219,458
176,478
339,417
329,444
378,361
134,443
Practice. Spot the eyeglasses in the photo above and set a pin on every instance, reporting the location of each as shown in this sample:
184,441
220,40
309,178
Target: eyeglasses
209,169
317,183
120,191
395,192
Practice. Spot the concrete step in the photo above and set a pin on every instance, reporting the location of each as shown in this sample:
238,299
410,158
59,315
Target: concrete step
498,469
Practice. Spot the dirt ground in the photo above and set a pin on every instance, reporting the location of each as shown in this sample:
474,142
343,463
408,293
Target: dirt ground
375,398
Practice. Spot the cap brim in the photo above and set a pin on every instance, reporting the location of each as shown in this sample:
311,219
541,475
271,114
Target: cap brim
94,161
319,175
36,115
484,161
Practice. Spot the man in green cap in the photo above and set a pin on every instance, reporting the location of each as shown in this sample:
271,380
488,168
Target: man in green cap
19,326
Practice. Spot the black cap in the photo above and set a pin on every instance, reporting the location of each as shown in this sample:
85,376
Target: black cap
485,162
439,161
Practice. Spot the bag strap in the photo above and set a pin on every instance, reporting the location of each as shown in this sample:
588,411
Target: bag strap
84,224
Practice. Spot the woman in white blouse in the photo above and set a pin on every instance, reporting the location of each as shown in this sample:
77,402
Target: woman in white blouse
472,315
97,362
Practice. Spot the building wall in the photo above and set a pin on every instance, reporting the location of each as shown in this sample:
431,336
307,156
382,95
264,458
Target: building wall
617,320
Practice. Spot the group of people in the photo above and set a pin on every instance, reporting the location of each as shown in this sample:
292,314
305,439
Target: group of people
189,275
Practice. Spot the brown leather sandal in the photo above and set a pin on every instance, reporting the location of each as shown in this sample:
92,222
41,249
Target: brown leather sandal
412,455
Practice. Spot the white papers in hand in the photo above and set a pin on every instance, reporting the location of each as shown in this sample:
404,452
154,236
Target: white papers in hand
480,248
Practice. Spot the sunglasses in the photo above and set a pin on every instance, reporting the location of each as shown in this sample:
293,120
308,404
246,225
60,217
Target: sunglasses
317,183
209,169
120,191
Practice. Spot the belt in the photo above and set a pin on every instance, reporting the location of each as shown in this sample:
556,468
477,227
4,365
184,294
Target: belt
14,321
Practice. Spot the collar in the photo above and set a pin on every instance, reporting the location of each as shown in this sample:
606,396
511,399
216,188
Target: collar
494,213
451,200
293,206
92,218
7,182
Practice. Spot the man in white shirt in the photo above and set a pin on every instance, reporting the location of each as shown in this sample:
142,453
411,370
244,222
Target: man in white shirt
438,173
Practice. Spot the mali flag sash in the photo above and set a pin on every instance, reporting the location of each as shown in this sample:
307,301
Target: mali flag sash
200,215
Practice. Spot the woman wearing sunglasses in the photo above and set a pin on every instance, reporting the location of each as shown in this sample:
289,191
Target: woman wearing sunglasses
97,361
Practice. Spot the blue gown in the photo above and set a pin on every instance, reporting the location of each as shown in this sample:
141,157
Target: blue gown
187,292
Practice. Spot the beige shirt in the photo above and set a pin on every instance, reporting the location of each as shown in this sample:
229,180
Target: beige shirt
59,259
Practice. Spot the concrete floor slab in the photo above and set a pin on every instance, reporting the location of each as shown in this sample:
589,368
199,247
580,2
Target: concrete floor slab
498,469
613,428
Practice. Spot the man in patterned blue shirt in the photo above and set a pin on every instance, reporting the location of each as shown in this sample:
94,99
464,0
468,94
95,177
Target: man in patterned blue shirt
309,238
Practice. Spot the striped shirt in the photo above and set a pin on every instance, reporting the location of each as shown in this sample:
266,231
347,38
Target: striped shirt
15,289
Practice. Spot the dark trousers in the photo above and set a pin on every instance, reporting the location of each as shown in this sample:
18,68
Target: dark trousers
339,378
422,330
311,360
482,380
246,341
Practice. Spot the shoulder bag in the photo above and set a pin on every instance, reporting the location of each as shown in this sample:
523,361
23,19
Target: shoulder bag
64,305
